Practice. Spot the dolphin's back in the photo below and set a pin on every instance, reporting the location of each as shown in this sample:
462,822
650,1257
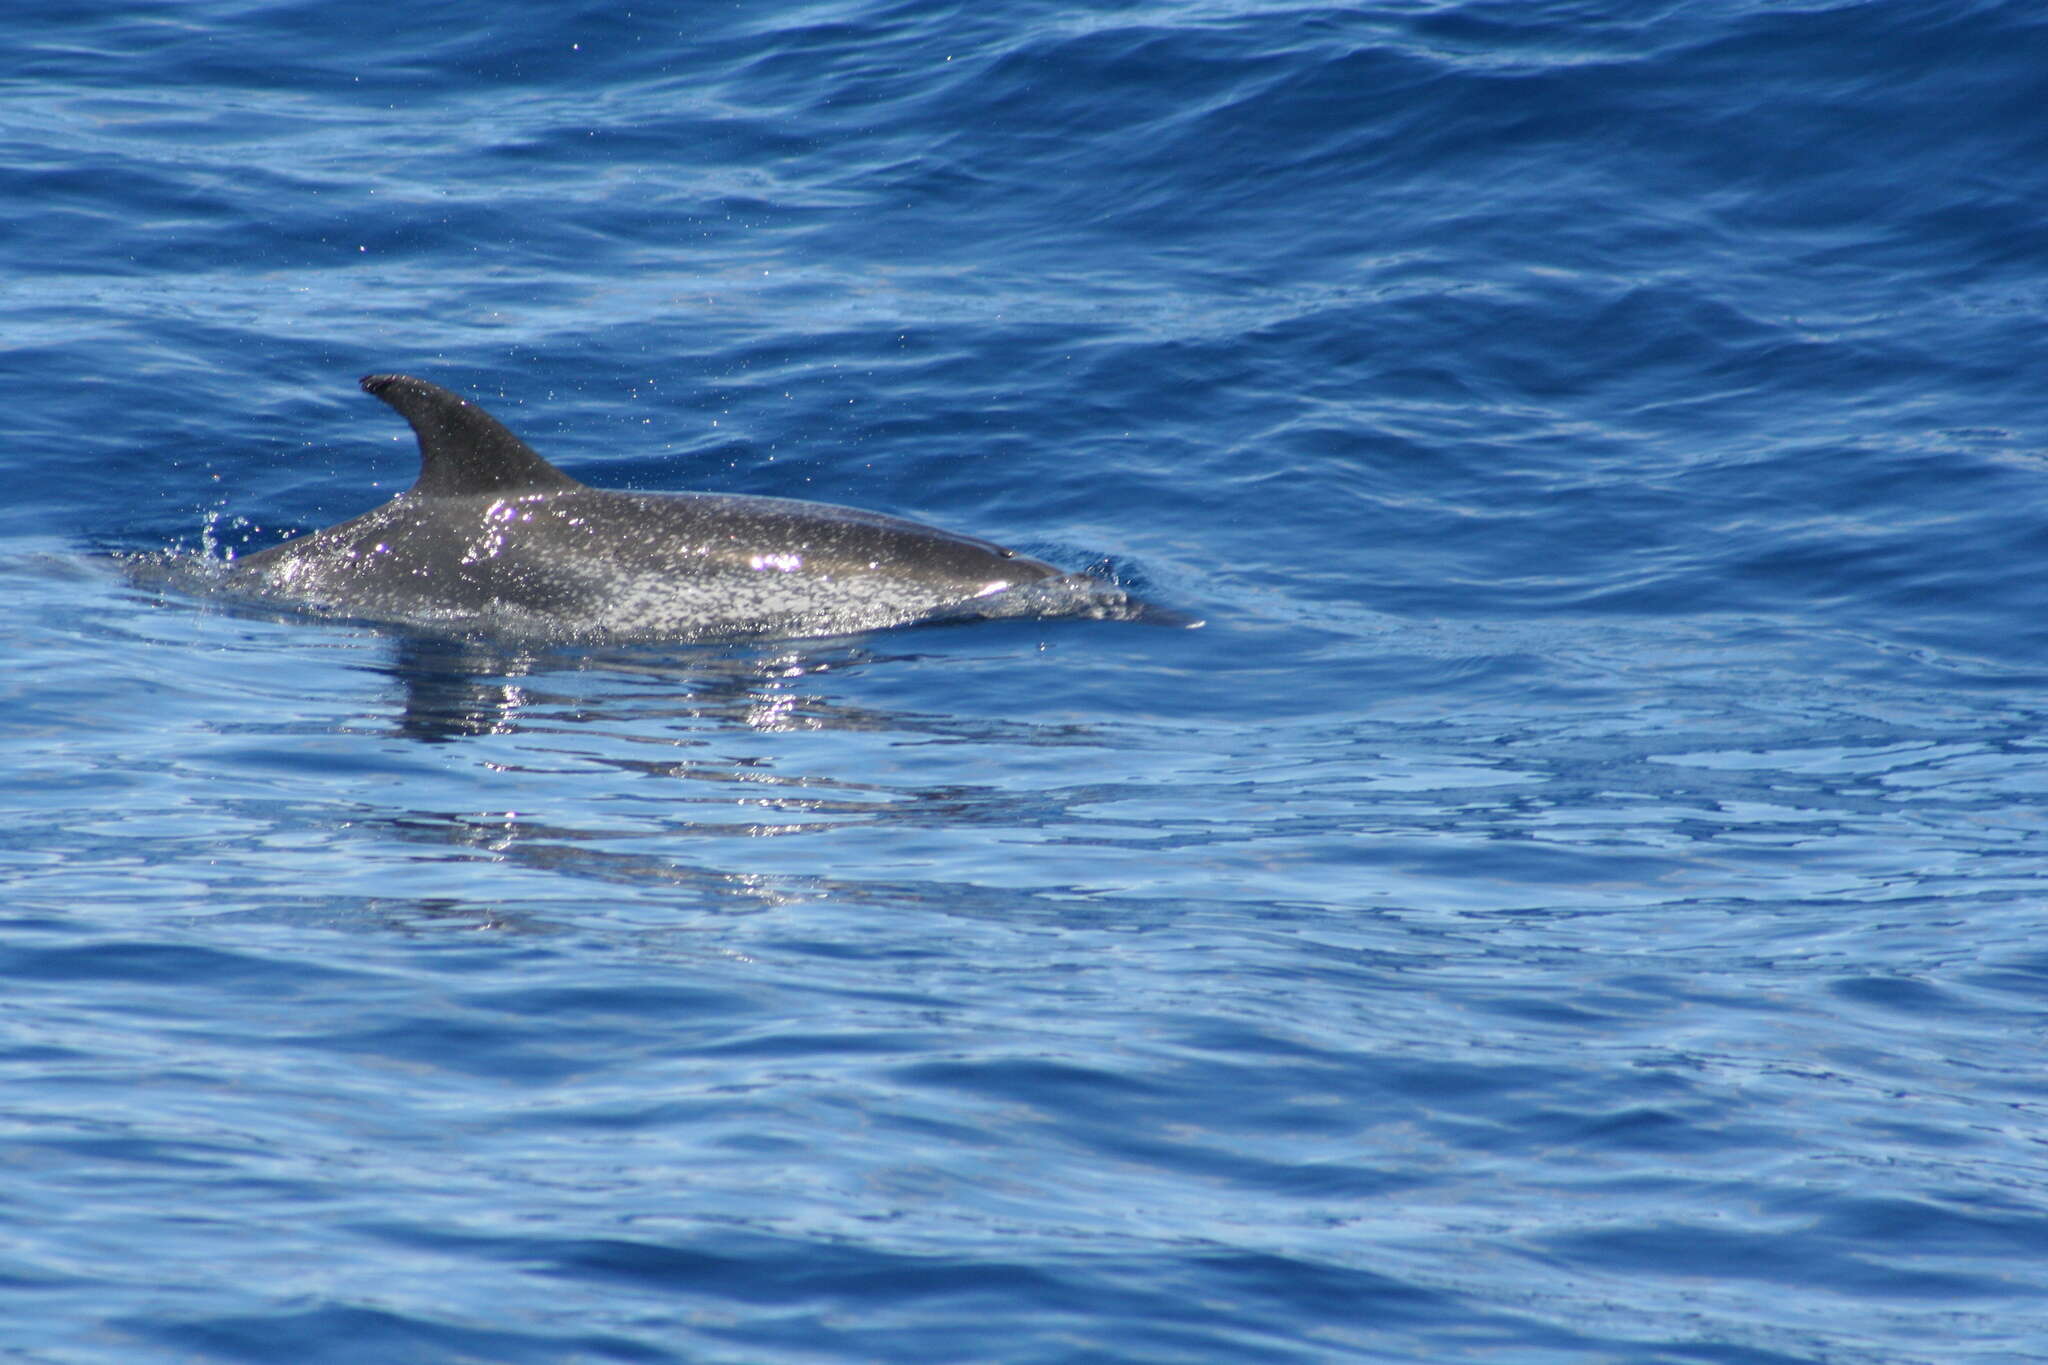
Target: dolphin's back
619,565
494,539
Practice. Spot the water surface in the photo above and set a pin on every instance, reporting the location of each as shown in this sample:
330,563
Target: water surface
1580,898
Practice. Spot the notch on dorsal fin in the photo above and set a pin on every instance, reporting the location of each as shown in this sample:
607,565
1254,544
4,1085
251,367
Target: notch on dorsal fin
463,449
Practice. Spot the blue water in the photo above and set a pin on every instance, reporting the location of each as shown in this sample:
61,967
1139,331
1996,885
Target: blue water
1581,898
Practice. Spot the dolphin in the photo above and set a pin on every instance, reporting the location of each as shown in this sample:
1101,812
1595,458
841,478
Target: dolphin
493,540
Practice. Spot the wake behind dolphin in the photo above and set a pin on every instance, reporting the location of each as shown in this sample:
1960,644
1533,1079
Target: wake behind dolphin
494,540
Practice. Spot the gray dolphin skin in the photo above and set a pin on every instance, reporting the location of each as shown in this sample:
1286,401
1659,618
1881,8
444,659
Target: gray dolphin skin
494,540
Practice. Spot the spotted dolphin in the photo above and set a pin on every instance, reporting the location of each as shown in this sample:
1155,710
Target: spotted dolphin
493,540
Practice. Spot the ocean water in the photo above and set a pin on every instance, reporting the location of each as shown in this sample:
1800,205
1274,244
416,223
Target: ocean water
1580,898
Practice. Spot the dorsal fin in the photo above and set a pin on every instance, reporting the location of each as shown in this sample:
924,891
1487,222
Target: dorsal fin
463,449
